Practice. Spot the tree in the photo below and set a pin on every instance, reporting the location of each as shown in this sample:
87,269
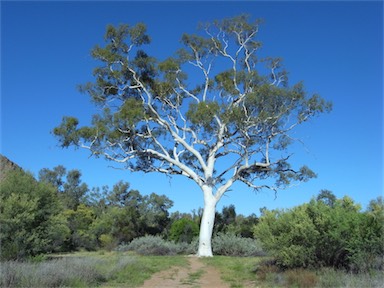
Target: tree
183,230
71,190
327,197
80,223
30,217
154,119
225,218
123,214
155,215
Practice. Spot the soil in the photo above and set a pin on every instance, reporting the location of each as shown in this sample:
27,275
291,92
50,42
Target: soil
195,275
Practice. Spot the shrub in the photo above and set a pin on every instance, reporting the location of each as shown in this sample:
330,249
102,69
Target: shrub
229,244
318,234
54,273
155,245
183,230
107,241
288,236
222,244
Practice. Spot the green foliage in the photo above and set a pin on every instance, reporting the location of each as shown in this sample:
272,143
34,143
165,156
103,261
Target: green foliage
203,113
327,197
225,81
107,242
237,271
122,223
323,233
125,214
367,252
79,223
73,192
183,230
68,131
29,217
229,222
288,236
154,213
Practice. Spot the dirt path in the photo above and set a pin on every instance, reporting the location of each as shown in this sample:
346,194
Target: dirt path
196,275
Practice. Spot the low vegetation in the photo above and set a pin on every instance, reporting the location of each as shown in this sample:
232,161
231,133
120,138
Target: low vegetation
116,269
86,270
262,272
156,245
227,244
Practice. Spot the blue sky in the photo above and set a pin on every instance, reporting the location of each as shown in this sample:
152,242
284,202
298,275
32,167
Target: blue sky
336,48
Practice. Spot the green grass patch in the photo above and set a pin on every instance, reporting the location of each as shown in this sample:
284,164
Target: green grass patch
236,271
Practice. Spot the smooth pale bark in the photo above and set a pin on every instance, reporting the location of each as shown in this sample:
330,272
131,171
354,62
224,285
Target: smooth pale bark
207,221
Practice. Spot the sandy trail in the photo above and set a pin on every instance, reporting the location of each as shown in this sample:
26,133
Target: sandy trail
196,275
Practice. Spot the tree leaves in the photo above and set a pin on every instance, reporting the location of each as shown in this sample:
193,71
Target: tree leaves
208,100
29,217
203,113
322,233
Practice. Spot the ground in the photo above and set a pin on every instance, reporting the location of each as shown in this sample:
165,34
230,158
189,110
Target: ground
195,275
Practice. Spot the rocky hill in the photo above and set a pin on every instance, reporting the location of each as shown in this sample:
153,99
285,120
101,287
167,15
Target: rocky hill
6,165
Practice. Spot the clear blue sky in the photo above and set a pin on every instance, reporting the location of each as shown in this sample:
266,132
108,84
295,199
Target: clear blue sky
336,48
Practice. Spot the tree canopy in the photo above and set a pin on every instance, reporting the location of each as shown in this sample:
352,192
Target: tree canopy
214,99
156,119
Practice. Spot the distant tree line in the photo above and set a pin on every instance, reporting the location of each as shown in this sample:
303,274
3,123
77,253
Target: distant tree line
59,213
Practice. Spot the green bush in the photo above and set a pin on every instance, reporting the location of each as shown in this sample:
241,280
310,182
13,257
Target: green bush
30,217
183,230
288,236
324,234
368,251
107,242
229,244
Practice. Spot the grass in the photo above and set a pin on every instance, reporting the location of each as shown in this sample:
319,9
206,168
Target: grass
247,272
144,267
330,278
108,269
117,269
237,271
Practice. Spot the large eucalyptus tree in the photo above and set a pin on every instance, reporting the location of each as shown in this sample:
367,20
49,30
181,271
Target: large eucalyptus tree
234,106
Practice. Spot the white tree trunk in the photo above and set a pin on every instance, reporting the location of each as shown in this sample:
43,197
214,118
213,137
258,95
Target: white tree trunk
206,226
